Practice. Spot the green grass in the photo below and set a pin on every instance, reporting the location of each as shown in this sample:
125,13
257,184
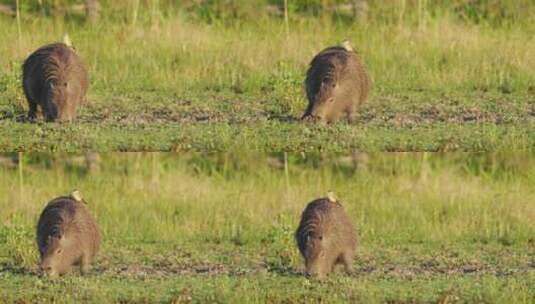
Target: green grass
181,83
219,227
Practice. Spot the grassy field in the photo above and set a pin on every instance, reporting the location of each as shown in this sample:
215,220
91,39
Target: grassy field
174,81
448,228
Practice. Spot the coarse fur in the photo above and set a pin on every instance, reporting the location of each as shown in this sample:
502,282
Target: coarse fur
337,84
54,79
325,237
67,235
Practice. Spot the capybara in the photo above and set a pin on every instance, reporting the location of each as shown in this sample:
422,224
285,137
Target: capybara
325,237
336,84
67,235
55,79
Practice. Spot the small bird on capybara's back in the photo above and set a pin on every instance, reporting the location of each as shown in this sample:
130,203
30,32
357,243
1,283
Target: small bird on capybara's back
67,235
55,80
337,84
326,237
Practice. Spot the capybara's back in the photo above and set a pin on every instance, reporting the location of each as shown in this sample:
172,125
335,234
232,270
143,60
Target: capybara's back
336,84
67,235
325,237
55,80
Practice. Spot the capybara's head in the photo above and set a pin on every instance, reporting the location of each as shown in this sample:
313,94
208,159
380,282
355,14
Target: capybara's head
53,257
61,103
323,101
315,253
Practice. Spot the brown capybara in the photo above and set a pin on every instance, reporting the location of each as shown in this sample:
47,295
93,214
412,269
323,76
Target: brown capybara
325,237
67,235
55,79
336,84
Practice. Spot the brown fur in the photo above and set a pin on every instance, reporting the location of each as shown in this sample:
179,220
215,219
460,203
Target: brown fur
325,237
336,85
67,235
55,79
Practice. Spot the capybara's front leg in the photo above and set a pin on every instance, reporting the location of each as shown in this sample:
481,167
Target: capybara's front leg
347,260
32,112
85,265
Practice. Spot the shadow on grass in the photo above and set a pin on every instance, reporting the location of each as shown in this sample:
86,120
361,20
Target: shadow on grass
286,118
285,271
6,267
16,116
